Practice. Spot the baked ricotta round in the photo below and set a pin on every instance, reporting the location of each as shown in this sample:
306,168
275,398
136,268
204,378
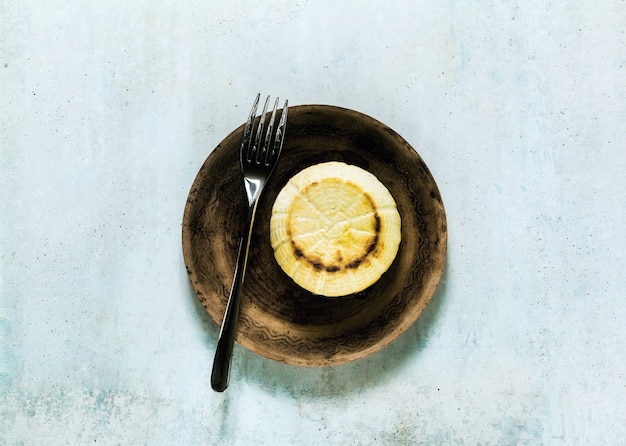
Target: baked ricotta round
334,229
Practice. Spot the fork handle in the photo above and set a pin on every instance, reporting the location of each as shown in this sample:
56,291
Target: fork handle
228,331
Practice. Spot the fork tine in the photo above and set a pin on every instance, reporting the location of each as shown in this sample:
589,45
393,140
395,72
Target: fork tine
254,154
247,131
264,153
280,136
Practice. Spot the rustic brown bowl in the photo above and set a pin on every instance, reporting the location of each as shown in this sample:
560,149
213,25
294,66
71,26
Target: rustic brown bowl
278,319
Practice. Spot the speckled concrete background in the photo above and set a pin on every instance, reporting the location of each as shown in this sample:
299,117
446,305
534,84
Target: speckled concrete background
107,111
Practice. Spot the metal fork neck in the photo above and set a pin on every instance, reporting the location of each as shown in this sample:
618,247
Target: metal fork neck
253,189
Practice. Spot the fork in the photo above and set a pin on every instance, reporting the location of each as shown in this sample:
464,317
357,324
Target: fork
258,159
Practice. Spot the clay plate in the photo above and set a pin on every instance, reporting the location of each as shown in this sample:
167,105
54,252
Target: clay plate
278,319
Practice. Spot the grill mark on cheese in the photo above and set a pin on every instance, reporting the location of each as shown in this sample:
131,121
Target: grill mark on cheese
318,264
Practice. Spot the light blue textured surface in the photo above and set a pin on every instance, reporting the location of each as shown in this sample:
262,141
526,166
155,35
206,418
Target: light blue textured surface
107,111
